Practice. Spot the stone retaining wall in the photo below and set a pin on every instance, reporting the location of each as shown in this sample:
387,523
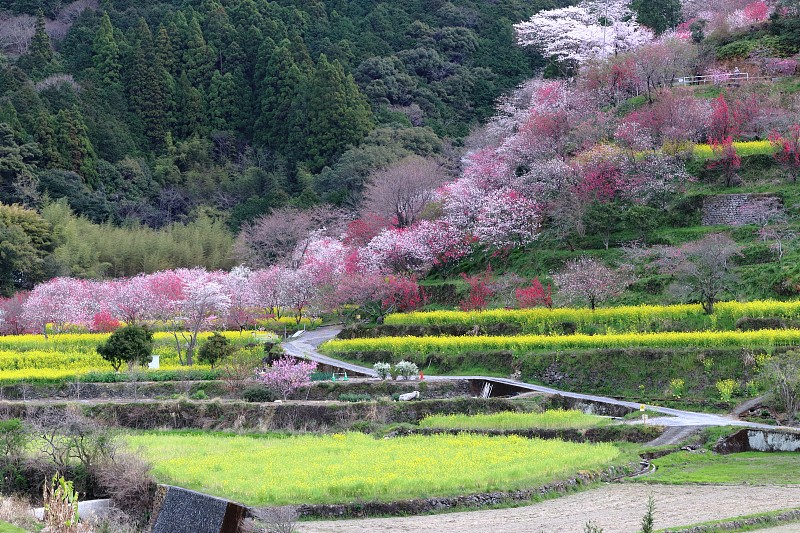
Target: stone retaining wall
760,440
736,209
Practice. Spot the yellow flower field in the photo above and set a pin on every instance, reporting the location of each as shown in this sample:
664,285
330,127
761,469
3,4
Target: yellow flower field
402,346
703,152
618,319
509,420
70,355
353,466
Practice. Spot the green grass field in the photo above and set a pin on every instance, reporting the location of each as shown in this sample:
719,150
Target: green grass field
553,419
5,527
353,466
751,467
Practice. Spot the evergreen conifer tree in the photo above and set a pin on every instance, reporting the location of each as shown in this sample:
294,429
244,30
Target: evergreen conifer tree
148,88
75,147
45,136
198,58
339,115
105,56
41,51
278,97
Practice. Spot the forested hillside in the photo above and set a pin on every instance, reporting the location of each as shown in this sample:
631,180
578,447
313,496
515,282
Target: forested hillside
156,113
271,135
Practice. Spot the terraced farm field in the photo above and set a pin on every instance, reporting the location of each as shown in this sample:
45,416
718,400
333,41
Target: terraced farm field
352,466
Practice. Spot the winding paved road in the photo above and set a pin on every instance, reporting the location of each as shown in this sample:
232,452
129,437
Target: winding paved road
306,347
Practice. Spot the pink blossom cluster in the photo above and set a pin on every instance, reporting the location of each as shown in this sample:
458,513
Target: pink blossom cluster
196,300
286,375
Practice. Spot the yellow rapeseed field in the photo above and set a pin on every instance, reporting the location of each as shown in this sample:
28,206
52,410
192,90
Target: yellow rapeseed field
403,346
621,319
509,420
353,466
69,355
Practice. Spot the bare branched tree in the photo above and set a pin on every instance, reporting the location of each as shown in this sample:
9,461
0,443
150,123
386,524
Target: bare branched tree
782,374
283,235
16,33
403,190
702,269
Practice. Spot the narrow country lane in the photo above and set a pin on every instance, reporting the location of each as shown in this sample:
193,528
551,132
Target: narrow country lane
306,347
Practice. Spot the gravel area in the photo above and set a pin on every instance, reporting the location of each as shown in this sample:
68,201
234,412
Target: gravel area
617,508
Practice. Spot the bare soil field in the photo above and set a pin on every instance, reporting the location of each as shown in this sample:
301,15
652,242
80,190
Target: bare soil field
617,508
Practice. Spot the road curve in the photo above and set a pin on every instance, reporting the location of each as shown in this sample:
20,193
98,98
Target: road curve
306,345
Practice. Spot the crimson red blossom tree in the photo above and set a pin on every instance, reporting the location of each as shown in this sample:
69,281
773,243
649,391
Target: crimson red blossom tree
377,295
480,291
726,159
11,314
587,280
787,150
286,375
536,295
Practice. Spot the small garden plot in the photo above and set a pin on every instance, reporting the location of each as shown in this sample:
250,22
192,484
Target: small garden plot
554,419
755,468
345,467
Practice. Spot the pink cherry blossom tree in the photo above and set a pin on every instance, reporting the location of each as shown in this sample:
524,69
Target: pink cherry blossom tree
590,30
205,302
237,287
268,287
587,280
286,375
60,302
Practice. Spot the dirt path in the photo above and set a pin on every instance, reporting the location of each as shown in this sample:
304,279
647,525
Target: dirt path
617,508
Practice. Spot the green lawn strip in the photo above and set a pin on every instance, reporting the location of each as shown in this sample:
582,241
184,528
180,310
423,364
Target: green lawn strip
754,468
5,527
346,467
552,419
739,523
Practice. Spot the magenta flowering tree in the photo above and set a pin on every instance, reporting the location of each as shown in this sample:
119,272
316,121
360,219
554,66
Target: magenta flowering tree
787,150
286,375
376,295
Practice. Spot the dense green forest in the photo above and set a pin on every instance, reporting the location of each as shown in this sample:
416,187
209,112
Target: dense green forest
155,112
